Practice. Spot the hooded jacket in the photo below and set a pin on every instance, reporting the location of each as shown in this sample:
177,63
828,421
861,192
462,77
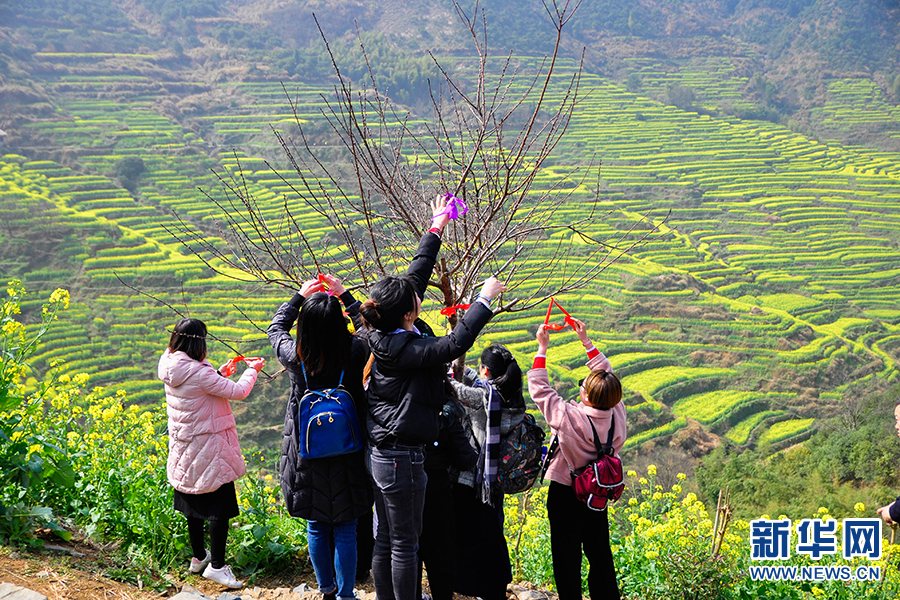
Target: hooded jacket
406,388
204,453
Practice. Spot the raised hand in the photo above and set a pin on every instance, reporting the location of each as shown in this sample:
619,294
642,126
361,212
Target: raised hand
492,286
227,369
439,215
543,338
580,330
311,287
334,284
256,363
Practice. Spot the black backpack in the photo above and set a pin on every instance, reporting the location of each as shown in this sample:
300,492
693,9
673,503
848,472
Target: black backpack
520,456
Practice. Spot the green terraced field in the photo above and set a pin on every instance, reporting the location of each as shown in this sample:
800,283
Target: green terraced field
775,269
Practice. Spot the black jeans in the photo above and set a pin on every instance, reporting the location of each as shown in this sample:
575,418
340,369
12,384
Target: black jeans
399,476
574,526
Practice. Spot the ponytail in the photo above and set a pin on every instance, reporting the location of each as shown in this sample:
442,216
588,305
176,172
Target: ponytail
507,375
392,298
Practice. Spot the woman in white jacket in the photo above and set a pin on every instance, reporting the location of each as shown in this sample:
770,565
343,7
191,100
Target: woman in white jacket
204,455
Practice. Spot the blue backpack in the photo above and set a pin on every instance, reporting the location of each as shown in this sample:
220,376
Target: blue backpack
326,422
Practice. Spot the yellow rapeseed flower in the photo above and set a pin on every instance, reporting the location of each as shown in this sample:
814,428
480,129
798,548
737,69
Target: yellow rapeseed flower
632,473
681,476
651,470
642,481
60,296
859,507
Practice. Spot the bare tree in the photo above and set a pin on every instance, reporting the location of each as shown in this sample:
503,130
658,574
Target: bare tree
493,128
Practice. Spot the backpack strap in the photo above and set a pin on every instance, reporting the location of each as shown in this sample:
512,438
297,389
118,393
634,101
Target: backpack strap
602,449
306,379
551,454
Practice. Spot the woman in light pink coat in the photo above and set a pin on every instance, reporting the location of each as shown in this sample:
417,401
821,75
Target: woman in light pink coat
573,525
204,455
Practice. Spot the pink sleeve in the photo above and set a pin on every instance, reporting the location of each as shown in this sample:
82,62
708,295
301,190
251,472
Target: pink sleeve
215,385
599,362
620,434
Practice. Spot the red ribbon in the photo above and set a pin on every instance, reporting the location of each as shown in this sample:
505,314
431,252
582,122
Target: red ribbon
239,358
554,326
325,284
452,309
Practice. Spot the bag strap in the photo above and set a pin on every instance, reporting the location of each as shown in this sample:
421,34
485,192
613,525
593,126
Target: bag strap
306,379
607,448
551,454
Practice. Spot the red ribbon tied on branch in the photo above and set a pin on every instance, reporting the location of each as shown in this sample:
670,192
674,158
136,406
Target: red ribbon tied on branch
454,206
452,309
555,326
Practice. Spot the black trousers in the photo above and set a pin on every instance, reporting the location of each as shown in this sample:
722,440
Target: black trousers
574,526
437,543
218,536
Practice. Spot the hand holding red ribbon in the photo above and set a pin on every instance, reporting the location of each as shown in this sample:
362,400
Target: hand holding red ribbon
228,369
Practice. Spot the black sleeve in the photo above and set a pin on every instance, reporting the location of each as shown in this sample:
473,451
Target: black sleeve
279,331
422,352
462,455
422,265
352,305
894,511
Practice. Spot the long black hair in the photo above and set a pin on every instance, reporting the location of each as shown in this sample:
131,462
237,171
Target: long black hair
323,340
507,376
189,336
391,299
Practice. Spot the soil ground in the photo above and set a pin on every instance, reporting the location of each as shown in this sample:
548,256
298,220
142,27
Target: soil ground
60,575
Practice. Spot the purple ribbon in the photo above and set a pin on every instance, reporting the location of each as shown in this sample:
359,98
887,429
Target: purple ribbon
454,206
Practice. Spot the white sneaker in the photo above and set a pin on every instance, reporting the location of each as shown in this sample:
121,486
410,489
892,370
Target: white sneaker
197,566
223,576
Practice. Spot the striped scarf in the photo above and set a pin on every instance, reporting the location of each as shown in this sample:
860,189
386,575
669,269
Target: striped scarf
489,456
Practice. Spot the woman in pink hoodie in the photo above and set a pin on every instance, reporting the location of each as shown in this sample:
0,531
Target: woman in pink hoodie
572,524
204,455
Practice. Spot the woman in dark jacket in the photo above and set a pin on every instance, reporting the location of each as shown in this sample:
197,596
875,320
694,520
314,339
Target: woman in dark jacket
437,544
492,395
330,493
406,394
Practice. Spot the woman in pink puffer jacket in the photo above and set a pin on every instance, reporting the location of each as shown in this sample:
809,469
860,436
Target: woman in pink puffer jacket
204,455
573,525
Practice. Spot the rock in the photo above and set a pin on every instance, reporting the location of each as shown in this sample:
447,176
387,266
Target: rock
189,592
63,550
9,591
189,589
523,593
42,574
301,589
228,596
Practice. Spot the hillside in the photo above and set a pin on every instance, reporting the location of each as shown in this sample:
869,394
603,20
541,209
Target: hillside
768,129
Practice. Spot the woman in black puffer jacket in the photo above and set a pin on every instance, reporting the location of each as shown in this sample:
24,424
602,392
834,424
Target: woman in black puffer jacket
330,493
